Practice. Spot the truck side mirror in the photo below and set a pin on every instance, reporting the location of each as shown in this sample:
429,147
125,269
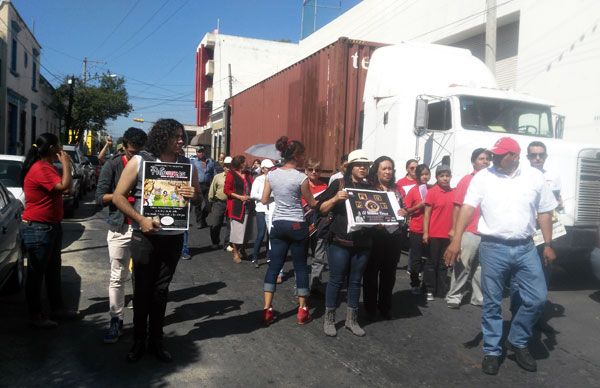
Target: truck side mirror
559,126
421,116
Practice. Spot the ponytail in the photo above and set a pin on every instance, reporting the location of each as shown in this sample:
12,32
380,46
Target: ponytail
39,149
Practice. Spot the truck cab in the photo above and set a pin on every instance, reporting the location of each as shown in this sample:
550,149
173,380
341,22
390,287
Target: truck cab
437,104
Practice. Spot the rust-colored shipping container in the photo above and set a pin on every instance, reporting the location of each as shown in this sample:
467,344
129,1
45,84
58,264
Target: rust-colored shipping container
317,100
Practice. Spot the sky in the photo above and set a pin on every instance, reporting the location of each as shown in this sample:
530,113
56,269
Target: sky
152,43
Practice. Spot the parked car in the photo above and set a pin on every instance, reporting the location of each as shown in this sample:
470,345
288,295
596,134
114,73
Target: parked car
89,172
97,165
12,252
71,196
10,174
77,158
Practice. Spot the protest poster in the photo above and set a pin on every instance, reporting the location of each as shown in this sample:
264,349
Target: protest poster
161,199
369,207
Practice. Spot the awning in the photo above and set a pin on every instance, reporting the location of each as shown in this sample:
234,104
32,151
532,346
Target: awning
203,138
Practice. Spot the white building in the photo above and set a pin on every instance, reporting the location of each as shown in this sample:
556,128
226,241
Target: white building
226,65
25,96
549,49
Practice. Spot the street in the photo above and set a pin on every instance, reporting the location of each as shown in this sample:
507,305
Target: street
213,329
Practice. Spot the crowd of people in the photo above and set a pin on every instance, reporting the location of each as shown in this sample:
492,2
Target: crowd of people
473,239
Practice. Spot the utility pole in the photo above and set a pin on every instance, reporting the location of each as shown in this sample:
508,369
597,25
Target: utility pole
84,75
490,36
230,80
69,117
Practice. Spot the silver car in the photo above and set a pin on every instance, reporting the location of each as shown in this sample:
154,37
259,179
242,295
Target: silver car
12,256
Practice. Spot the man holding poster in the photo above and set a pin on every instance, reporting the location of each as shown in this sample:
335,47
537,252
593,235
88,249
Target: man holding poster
156,241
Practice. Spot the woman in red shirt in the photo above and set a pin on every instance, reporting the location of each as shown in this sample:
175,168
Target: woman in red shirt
415,205
240,206
437,222
41,226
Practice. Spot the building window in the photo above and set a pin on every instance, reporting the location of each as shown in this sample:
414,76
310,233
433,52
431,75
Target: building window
13,57
34,76
26,59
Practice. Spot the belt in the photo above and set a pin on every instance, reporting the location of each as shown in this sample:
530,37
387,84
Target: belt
38,222
505,241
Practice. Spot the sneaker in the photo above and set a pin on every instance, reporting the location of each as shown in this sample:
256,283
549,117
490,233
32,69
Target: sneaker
115,330
268,316
490,365
453,305
229,248
415,290
430,297
186,256
303,315
40,321
255,262
215,247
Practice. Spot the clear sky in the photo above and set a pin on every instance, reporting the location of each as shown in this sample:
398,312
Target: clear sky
152,43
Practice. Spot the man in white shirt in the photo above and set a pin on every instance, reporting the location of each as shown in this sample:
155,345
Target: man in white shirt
511,197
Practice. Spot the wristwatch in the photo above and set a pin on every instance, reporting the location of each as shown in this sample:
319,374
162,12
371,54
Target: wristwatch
548,245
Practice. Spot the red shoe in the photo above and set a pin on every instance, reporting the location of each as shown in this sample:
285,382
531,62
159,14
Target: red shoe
268,316
303,315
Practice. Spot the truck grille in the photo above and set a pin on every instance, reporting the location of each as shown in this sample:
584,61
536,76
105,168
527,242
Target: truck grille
588,193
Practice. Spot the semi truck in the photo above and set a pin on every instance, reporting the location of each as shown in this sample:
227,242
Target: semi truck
437,104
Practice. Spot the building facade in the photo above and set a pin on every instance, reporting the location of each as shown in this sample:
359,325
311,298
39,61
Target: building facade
226,65
25,95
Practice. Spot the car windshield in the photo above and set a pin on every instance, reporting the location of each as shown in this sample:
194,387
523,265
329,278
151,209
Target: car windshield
10,173
505,116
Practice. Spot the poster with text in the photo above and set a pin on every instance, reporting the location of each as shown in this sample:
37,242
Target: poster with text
161,199
369,208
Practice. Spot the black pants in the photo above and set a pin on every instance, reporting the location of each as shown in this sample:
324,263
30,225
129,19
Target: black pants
155,258
216,219
417,263
380,274
201,209
436,272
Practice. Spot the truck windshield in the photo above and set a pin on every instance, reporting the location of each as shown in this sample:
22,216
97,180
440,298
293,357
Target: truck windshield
496,115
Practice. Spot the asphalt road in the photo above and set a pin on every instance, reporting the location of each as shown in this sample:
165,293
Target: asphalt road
214,331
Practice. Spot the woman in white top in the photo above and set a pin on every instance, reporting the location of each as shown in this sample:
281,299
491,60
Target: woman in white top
289,230
262,211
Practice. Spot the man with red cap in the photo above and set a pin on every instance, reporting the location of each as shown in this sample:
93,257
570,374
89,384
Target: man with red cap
510,197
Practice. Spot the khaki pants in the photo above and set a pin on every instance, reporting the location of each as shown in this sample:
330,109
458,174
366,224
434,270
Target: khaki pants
463,268
119,252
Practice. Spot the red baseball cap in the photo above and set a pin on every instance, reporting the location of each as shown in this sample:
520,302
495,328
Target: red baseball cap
505,145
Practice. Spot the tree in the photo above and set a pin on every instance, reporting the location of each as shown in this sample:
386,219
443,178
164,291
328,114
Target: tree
92,103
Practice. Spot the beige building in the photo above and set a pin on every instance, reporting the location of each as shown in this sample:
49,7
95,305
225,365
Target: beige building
25,95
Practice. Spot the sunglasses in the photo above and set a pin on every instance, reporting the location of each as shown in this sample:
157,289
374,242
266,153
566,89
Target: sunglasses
534,155
313,170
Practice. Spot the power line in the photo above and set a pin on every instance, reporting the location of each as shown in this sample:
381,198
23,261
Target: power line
117,26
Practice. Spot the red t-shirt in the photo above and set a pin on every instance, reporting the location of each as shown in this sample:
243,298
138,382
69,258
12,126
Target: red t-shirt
412,199
42,203
404,185
442,205
315,189
459,198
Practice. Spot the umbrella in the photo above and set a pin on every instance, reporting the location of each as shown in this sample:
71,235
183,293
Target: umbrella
264,151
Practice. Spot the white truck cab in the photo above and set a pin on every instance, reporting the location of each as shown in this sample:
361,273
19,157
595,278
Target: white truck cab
437,104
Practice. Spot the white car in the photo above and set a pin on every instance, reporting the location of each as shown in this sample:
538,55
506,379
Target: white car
10,175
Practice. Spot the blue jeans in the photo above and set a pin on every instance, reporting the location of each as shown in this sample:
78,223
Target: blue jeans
293,236
509,263
345,263
261,230
185,250
43,243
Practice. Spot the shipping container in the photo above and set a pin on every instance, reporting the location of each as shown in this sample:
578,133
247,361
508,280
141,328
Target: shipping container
317,100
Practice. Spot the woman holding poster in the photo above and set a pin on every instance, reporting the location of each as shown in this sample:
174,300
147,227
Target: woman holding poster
348,252
380,274
154,250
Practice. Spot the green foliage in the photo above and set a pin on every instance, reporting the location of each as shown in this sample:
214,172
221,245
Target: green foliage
93,103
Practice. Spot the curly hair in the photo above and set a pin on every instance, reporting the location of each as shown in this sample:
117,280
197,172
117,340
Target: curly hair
289,149
161,132
372,176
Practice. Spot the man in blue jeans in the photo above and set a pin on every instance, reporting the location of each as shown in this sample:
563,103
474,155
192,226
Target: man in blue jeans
511,197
